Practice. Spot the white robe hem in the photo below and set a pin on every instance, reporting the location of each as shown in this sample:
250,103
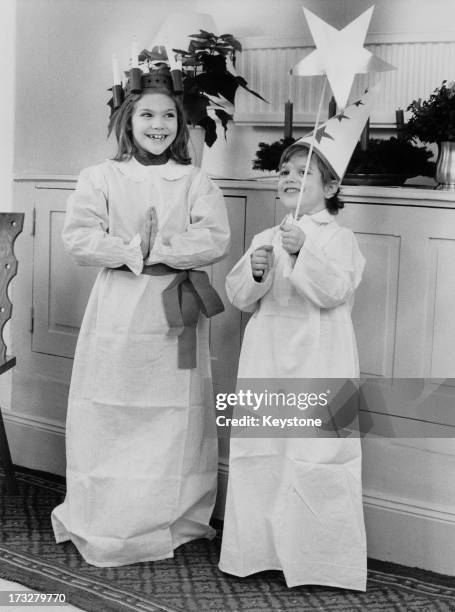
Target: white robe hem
353,583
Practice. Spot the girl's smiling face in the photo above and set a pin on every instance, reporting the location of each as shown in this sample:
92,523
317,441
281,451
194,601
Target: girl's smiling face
315,192
154,122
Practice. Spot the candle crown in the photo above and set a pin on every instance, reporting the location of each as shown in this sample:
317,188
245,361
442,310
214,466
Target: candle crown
146,76
158,79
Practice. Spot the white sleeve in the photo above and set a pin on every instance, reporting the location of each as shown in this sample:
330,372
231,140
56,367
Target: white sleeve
329,275
86,230
207,237
242,289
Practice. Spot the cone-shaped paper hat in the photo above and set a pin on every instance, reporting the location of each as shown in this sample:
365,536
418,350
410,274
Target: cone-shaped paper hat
336,138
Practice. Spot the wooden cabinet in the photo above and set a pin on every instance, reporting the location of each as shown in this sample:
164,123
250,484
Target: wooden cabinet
60,287
402,315
404,323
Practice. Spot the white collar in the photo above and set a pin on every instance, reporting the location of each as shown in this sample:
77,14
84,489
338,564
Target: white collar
136,171
321,217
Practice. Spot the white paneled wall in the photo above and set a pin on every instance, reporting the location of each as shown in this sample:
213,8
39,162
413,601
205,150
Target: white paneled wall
265,63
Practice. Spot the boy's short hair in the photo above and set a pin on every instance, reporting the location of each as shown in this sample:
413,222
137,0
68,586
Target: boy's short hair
333,204
120,124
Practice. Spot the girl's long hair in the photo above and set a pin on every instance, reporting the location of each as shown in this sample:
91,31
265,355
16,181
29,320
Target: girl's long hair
120,123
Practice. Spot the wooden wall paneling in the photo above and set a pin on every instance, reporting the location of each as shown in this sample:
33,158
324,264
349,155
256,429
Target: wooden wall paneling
60,287
421,295
375,308
225,328
374,312
440,334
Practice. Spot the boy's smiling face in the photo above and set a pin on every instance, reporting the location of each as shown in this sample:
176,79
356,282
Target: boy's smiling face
315,192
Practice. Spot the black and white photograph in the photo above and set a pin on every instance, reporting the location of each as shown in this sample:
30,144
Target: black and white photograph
227,286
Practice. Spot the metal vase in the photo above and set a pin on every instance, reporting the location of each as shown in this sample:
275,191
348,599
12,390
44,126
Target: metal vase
445,165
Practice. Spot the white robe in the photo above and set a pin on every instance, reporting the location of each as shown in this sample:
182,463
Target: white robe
295,504
141,440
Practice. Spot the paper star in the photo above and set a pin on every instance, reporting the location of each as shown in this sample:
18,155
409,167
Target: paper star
341,116
340,54
321,133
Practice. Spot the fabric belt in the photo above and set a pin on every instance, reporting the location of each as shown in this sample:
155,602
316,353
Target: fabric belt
186,296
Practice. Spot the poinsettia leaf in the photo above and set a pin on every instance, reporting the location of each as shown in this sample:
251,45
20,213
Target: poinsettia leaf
195,45
241,81
202,35
214,65
224,118
220,83
194,103
232,41
210,130
180,51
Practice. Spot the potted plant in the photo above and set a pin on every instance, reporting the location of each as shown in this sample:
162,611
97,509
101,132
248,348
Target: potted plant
209,78
433,120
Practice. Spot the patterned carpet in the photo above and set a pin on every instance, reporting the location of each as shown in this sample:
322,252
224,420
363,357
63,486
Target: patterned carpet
189,582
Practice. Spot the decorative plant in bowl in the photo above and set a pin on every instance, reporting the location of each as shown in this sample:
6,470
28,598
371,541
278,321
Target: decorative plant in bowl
209,78
433,120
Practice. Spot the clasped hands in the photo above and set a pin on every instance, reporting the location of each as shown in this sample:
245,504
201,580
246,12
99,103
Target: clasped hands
149,231
292,239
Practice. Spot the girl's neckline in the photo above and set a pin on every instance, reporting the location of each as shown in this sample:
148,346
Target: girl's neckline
148,159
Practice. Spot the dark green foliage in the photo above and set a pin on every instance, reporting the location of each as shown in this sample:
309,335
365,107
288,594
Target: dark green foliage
391,156
433,120
268,155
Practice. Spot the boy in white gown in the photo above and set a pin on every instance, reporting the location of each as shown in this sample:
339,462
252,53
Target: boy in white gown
295,504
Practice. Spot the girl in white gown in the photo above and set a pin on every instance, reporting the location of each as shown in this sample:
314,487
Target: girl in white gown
141,440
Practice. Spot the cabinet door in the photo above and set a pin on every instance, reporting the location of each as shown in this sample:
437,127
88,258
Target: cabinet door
60,287
403,314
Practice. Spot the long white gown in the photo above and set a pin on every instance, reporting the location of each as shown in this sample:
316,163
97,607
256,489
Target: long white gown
295,504
141,439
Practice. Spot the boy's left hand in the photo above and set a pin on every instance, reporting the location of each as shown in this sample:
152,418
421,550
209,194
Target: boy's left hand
292,237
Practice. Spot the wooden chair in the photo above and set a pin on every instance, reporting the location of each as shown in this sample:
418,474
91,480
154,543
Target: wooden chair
10,227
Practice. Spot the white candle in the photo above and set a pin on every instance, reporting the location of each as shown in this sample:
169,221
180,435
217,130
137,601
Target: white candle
134,54
115,70
171,58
